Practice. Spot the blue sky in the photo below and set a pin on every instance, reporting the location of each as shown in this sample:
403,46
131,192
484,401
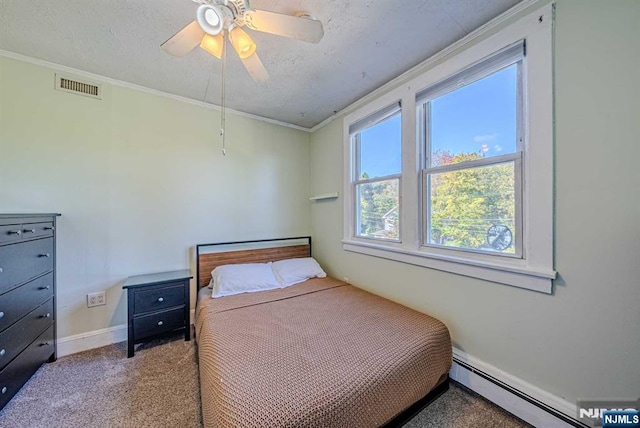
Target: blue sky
480,117
380,148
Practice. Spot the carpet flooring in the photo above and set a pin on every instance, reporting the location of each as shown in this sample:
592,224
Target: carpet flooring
159,388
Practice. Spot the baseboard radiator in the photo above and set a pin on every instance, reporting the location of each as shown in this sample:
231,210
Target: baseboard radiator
478,377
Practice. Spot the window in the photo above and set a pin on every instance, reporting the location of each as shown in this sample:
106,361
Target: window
461,178
472,140
378,167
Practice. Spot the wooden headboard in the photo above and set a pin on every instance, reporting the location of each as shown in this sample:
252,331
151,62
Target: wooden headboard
210,256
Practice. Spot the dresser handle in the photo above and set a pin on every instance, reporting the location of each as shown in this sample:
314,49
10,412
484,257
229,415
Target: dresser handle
48,315
1,270
49,228
4,389
29,231
160,299
45,344
1,314
45,255
2,352
14,232
160,322
46,287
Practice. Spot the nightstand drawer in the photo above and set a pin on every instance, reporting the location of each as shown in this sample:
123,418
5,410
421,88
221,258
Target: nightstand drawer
158,298
157,303
161,322
21,262
17,337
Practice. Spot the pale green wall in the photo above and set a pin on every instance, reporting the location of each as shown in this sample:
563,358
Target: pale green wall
583,341
139,180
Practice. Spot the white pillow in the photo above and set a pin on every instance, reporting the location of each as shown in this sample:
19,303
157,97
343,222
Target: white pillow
294,271
242,278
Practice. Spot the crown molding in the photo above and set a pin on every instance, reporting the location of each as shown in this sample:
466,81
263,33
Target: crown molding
133,86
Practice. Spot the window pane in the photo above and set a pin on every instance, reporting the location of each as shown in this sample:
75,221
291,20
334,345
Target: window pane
381,149
474,208
475,121
378,213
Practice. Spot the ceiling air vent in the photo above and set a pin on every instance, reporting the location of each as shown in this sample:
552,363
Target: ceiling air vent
75,86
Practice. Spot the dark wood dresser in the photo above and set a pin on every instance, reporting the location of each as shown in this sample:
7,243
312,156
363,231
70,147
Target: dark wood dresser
157,303
27,298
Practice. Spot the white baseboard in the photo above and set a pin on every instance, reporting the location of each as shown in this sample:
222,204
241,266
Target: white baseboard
511,393
92,339
95,339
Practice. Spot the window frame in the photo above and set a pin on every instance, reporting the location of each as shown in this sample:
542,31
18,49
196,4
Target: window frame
534,270
356,180
483,69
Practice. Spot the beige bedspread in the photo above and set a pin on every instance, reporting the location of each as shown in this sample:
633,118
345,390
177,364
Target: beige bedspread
317,354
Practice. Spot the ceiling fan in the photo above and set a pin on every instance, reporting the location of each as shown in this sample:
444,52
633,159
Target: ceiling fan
218,19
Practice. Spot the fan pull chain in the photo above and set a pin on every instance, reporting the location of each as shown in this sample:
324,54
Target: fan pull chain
223,100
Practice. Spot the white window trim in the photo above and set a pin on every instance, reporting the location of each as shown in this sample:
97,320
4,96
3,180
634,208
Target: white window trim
535,271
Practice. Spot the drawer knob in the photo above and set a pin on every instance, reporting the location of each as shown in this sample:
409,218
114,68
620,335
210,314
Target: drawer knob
0,270
48,315
2,352
45,344
160,322
1,314
4,389
46,287
14,232
29,231
49,228
160,299
45,255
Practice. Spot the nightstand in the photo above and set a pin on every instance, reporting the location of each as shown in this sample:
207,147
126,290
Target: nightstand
157,304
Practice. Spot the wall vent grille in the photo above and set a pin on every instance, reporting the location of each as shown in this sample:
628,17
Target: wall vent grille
76,86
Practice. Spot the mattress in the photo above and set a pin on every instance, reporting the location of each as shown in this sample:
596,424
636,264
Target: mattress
319,354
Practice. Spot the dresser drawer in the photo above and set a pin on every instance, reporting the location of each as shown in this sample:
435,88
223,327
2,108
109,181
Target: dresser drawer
23,261
14,339
156,299
37,230
16,374
161,322
20,301
10,233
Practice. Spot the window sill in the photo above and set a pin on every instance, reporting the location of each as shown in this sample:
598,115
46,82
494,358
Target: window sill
505,271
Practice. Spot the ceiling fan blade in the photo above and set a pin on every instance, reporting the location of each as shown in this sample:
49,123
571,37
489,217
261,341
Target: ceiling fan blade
307,29
255,68
184,40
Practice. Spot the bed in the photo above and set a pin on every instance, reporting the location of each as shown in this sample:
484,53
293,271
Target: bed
320,353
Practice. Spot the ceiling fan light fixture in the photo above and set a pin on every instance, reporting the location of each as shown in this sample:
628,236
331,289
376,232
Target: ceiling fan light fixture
213,44
211,19
242,42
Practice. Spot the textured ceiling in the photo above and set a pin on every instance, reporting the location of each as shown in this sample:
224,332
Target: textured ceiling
366,44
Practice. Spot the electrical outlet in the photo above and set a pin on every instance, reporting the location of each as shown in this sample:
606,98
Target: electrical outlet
96,299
